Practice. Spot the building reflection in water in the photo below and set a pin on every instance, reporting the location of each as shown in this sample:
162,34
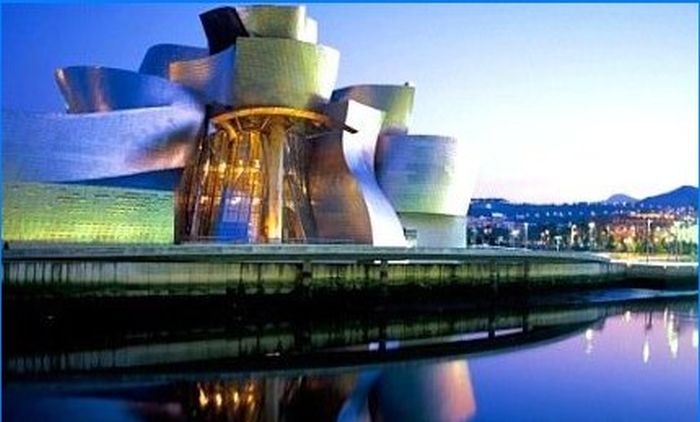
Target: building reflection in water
440,390
437,392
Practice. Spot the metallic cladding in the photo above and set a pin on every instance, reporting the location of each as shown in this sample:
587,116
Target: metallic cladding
34,212
425,174
157,59
57,147
396,101
287,73
210,77
90,89
311,33
222,26
435,230
288,22
347,202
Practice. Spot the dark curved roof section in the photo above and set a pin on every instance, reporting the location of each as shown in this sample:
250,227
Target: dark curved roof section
222,27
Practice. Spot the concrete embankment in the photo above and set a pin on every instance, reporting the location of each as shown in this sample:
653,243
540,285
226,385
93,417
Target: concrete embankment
282,269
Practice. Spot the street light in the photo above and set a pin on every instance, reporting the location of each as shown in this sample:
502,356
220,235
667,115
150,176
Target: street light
525,235
648,237
513,235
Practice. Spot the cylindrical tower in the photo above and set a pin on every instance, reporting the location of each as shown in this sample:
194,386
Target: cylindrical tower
429,185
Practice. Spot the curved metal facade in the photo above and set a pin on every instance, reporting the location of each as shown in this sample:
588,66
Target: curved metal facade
288,22
88,89
425,174
396,101
157,59
57,147
211,77
290,160
347,202
280,72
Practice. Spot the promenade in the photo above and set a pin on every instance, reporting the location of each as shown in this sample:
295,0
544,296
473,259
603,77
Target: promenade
282,269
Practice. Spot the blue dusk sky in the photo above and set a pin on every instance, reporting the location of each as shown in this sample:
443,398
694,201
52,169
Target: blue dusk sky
557,102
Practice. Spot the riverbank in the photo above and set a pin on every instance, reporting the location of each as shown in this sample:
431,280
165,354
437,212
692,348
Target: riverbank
245,270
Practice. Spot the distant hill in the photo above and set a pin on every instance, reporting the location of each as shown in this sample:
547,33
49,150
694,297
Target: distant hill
685,196
620,198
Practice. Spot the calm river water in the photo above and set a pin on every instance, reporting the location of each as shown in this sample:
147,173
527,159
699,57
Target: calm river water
634,361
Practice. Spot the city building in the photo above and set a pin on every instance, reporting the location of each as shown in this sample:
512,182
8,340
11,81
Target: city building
244,141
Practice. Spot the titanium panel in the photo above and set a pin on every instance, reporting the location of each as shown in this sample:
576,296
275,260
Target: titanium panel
222,27
268,21
286,73
435,230
311,33
348,204
57,147
396,101
157,60
210,77
38,212
425,174
89,89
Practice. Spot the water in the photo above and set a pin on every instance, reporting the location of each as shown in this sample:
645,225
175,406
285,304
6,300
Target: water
622,361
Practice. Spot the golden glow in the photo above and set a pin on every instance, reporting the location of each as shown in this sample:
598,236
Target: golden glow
236,397
203,400
218,399
274,155
224,120
253,170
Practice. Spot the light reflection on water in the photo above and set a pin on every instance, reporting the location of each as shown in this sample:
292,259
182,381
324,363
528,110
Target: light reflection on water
636,366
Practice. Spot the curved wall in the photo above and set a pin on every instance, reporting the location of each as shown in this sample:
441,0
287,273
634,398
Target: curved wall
281,72
346,200
396,101
288,22
90,89
57,147
210,77
222,27
157,59
425,174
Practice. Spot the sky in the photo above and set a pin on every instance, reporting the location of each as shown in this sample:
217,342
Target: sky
556,102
